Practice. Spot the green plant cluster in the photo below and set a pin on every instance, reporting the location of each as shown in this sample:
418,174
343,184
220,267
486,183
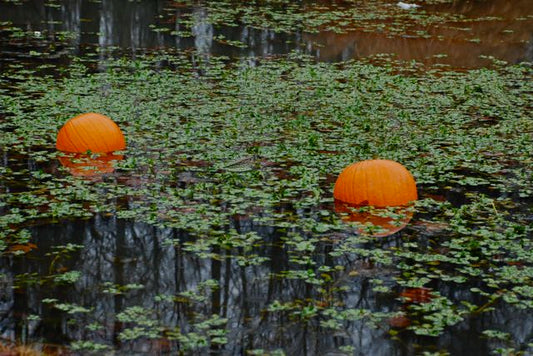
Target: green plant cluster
211,142
311,16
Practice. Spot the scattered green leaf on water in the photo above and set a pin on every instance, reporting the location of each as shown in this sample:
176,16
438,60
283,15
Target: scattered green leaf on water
215,146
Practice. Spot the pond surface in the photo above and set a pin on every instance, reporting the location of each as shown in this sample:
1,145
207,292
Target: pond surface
215,231
460,34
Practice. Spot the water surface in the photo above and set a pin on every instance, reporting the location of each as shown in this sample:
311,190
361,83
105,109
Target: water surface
217,233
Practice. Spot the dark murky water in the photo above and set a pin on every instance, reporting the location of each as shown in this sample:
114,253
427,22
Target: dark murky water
499,28
156,262
117,252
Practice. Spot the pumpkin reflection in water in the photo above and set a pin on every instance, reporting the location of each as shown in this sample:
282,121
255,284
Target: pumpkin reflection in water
83,165
377,222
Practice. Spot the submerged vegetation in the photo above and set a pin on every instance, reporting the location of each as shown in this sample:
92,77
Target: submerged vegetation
216,230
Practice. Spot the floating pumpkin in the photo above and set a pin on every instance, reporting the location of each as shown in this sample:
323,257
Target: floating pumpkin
90,132
377,222
82,165
379,183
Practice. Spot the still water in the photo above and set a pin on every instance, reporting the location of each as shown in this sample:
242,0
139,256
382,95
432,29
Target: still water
138,278
112,253
478,29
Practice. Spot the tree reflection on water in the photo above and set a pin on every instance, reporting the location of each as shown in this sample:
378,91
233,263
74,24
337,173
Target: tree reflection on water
156,261
500,28
105,279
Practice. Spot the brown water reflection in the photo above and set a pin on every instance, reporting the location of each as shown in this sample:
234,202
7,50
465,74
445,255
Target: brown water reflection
499,28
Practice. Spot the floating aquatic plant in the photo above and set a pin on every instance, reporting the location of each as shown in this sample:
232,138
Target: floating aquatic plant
233,166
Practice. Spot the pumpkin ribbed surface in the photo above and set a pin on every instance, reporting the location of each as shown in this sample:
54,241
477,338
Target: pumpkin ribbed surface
379,183
90,132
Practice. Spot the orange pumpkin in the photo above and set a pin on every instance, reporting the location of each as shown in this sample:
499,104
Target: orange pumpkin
90,132
379,183
375,222
82,165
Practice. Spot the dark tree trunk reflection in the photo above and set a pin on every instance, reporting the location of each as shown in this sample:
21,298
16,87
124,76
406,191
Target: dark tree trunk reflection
131,26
